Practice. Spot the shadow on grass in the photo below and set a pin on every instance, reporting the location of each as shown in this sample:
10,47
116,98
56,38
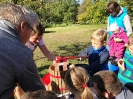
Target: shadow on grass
43,67
41,75
49,31
40,69
73,49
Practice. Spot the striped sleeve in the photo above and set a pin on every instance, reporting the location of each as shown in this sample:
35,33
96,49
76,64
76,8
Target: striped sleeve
126,77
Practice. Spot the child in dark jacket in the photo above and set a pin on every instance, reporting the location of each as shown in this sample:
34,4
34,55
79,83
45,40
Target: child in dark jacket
97,53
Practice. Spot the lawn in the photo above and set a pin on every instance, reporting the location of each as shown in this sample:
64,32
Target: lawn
64,41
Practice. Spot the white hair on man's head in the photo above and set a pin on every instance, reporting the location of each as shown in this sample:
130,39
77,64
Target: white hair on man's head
12,13
17,14
30,17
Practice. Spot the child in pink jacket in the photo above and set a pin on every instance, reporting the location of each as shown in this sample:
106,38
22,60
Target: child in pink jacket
117,42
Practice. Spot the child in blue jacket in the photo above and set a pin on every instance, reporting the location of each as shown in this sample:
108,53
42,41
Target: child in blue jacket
97,53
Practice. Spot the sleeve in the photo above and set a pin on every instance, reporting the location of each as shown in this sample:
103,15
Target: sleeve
28,79
127,24
98,63
125,38
85,52
111,40
125,58
41,41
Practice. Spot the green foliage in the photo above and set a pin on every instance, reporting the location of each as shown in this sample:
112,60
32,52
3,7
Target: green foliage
64,12
129,5
56,12
95,13
52,11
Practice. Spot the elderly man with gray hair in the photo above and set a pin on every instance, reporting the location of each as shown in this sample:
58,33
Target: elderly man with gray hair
16,60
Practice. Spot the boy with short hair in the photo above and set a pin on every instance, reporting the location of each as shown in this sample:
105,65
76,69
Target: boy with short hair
97,53
37,40
36,37
107,85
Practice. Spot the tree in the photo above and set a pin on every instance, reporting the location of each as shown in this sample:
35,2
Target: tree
95,13
51,11
82,7
129,5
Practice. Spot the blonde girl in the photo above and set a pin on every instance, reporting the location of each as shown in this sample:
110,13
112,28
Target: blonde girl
76,80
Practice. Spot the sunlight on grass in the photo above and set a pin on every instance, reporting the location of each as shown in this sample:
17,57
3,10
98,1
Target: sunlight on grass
66,41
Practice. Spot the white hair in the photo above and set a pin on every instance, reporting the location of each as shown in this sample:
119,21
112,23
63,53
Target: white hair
30,16
12,13
17,14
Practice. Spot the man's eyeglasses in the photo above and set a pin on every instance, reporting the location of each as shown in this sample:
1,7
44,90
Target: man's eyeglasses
31,28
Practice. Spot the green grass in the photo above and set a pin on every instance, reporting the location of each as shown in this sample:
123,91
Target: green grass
64,41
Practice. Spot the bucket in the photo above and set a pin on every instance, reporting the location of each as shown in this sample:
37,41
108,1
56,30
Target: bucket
57,74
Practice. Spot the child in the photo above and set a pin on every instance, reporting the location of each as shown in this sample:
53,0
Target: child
107,84
117,42
76,80
125,73
39,94
97,53
37,40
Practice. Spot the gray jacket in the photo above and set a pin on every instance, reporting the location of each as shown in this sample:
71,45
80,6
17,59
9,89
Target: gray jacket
125,94
16,63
